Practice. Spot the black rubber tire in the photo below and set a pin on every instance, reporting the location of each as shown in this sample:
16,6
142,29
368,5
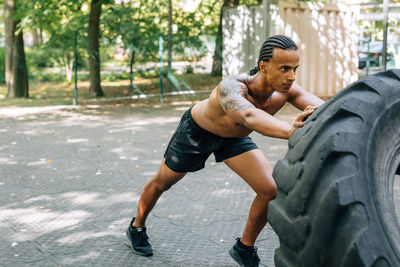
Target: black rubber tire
335,203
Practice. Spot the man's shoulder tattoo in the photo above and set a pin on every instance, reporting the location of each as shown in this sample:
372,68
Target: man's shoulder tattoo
233,97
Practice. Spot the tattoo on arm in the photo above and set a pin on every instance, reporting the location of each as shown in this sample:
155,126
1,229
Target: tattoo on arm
233,96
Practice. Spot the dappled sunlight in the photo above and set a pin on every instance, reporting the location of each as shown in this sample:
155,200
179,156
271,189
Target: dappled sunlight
11,112
36,221
121,198
157,120
78,237
80,119
81,198
7,161
241,27
98,199
38,162
77,180
135,125
133,129
157,159
223,192
85,198
150,174
44,217
118,150
75,259
328,40
77,140
30,132
39,199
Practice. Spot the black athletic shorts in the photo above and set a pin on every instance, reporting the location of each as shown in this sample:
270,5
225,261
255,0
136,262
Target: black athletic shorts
191,145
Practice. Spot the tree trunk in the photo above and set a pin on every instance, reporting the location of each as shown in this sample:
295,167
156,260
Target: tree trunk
94,53
217,59
16,70
41,36
35,36
69,66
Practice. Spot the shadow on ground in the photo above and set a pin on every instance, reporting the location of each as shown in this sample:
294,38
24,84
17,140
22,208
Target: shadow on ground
70,180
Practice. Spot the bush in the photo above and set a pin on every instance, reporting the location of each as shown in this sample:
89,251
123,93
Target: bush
115,76
189,69
149,73
38,57
45,75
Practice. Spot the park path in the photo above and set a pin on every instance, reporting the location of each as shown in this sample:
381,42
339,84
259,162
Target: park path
70,180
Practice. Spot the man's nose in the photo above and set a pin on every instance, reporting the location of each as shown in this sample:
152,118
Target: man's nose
291,76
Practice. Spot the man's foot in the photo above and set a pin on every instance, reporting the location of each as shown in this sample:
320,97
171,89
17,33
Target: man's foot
244,255
139,240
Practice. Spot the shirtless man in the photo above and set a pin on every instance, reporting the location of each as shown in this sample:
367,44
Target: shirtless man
221,125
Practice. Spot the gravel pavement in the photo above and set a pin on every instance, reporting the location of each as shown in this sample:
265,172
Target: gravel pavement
71,177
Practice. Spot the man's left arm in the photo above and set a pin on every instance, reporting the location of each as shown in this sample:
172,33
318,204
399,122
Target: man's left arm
301,99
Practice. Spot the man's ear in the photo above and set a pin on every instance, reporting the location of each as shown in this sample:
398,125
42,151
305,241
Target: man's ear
263,66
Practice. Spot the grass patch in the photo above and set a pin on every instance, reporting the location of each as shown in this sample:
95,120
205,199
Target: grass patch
60,93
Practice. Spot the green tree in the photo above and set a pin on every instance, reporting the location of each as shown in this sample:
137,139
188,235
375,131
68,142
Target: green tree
94,52
139,24
58,21
134,25
15,64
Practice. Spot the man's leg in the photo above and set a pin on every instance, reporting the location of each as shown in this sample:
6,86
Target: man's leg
136,231
162,181
254,168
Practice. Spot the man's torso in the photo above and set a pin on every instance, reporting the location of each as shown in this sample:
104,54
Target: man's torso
209,114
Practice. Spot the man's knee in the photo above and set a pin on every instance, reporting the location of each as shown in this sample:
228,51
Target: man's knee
269,192
159,186
164,182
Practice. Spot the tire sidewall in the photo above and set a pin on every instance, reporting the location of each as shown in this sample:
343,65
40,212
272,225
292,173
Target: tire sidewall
383,160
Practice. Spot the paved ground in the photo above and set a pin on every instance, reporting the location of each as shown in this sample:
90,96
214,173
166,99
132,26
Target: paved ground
70,180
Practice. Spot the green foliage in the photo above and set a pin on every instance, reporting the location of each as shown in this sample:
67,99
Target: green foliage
373,30
38,57
138,25
149,73
189,69
112,77
250,2
124,26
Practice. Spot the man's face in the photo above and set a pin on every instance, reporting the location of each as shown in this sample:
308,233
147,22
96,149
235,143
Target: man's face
280,70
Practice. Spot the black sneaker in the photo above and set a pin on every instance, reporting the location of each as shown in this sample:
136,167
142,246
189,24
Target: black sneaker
139,240
245,256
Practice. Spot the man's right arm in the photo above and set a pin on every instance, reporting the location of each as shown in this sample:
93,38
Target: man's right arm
232,94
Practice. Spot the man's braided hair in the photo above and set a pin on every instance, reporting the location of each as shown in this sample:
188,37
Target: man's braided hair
276,41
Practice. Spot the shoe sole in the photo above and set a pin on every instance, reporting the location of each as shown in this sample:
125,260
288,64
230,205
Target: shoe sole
236,257
128,234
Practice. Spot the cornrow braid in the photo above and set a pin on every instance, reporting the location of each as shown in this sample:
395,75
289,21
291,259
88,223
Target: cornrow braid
276,41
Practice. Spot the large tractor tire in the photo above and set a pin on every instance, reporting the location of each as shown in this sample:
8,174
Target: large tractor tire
338,201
